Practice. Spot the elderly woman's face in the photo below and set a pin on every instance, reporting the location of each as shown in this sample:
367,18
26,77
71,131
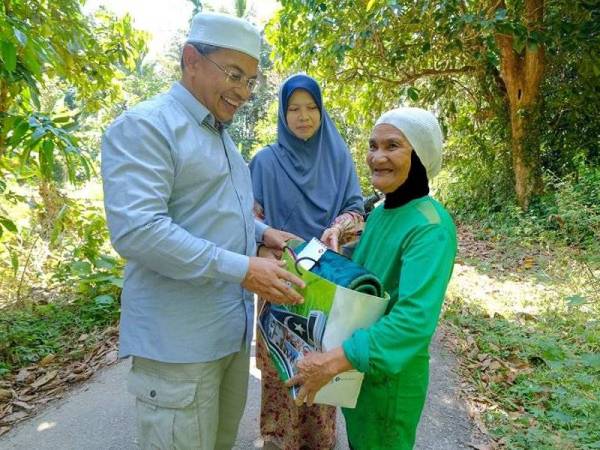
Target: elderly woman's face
388,158
303,116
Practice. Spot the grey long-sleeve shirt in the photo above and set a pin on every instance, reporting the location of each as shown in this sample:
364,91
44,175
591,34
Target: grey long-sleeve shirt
178,201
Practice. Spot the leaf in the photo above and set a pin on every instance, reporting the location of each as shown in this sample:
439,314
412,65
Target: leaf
5,395
22,405
21,37
111,357
14,261
47,158
44,379
8,224
413,93
47,360
117,281
23,375
81,268
528,262
371,4
15,417
592,360
18,134
561,417
104,300
576,300
500,14
8,52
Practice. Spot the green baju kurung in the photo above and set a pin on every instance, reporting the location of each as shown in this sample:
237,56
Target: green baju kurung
412,249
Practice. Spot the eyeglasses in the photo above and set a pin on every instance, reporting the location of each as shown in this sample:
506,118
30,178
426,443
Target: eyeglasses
234,78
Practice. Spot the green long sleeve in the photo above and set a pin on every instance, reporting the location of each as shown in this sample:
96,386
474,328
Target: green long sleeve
413,250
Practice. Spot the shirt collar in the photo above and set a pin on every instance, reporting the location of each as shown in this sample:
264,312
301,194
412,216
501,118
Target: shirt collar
202,115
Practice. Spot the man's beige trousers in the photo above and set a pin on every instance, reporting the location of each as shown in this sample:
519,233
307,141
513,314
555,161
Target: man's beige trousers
189,406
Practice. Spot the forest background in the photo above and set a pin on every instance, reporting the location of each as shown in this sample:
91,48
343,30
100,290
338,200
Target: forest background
516,85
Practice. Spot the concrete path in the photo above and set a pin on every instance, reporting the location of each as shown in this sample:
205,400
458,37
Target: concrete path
100,415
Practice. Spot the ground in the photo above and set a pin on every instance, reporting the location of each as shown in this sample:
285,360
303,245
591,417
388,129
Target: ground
99,414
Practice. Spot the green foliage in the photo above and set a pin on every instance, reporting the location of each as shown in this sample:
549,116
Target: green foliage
84,260
55,39
28,334
478,165
567,215
443,55
250,124
43,147
553,401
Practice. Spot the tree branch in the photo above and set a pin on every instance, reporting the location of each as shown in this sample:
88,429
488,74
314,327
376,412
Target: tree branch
409,78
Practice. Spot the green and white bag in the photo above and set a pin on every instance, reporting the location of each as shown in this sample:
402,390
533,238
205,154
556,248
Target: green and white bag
329,315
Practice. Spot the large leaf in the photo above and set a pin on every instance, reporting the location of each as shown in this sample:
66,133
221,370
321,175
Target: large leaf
8,52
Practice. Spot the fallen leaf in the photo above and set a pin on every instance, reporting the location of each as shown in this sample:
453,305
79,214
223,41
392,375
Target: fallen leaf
22,405
483,356
110,331
495,365
15,417
78,368
53,384
528,262
26,391
47,360
23,375
83,337
4,430
44,379
5,395
111,357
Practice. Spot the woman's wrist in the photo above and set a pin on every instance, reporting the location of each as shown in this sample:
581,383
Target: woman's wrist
338,362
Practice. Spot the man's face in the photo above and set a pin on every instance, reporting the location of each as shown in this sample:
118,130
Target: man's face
213,87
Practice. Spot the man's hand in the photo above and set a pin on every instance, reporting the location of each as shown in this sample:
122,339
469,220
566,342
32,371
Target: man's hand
276,238
315,370
267,278
331,237
268,252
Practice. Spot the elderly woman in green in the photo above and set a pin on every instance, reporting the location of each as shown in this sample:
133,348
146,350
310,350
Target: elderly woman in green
410,243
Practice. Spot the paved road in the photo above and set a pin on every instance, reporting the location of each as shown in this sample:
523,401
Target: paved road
99,415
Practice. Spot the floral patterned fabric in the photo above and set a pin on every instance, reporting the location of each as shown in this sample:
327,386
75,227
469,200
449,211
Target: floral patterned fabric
283,423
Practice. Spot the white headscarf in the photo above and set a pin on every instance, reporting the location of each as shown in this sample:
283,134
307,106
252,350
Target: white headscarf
423,132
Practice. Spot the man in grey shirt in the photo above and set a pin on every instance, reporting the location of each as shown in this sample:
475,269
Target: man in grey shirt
178,199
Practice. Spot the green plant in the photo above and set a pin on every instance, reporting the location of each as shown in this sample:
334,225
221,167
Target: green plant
27,334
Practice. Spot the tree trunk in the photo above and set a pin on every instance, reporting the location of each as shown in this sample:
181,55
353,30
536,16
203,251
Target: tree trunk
522,75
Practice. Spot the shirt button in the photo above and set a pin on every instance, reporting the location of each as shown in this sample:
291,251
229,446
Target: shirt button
152,393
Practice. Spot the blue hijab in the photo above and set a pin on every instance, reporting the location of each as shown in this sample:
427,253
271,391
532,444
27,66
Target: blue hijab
304,185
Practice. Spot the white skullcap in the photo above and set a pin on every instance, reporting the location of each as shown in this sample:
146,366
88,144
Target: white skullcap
423,132
222,30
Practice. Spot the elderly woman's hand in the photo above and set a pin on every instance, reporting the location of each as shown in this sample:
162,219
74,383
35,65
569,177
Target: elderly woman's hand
331,238
315,371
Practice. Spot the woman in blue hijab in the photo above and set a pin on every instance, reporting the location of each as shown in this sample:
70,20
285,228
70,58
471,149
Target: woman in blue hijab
306,184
